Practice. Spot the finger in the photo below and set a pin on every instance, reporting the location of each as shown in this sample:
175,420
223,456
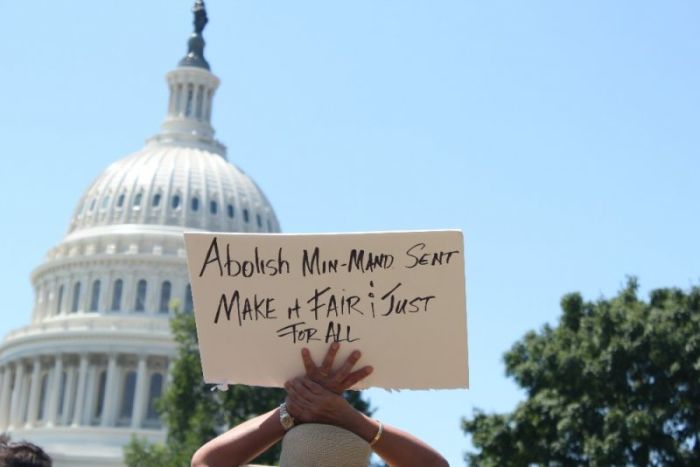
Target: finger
347,365
356,376
327,364
309,364
312,387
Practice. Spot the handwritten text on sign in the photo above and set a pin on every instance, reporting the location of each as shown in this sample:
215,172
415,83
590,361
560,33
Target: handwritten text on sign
398,297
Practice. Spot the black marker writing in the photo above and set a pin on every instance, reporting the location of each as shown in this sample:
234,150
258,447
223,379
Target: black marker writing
437,258
335,305
246,309
334,333
297,333
400,306
293,309
233,267
372,261
314,265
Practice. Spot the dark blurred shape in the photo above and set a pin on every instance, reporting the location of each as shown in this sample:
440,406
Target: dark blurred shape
22,454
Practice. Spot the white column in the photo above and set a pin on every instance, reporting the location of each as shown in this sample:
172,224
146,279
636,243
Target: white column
59,307
152,289
80,397
105,288
5,398
210,101
180,88
16,396
68,402
106,294
55,391
128,291
140,397
53,295
44,300
86,287
208,94
89,399
34,389
110,390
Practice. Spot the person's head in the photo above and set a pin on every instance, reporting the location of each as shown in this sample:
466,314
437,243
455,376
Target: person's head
22,454
317,445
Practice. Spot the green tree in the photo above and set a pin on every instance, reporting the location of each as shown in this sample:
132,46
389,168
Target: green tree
616,382
194,414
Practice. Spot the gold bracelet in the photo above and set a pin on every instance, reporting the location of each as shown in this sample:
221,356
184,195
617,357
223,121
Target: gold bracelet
378,435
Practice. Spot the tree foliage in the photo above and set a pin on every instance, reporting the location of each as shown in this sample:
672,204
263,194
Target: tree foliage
193,413
616,382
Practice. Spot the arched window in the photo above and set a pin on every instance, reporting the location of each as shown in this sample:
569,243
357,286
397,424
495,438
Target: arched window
189,306
92,204
117,295
59,300
137,199
246,217
230,211
175,201
154,391
105,202
259,219
95,296
140,304
269,226
101,387
127,405
120,200
165,290
213,207
76,297
156,200
195,203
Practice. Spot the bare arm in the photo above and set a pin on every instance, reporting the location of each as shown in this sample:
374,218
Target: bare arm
308,401
246,441
241,444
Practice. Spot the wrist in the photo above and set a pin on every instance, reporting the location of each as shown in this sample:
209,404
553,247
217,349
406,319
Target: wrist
286,419
362,425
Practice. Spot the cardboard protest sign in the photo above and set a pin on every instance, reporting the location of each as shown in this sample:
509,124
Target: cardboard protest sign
399,297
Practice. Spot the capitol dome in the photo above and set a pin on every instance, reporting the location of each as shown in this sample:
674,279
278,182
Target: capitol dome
174,185
84,375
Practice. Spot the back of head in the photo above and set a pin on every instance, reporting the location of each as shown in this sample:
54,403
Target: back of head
317,445
22,454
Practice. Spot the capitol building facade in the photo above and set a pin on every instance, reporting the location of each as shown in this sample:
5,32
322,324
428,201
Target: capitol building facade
83,376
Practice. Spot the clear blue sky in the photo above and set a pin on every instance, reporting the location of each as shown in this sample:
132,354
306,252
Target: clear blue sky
562,137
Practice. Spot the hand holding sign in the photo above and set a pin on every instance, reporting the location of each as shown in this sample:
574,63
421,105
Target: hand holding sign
339,380
311,403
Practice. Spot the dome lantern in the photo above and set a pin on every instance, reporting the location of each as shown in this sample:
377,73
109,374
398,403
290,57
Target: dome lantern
192,86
